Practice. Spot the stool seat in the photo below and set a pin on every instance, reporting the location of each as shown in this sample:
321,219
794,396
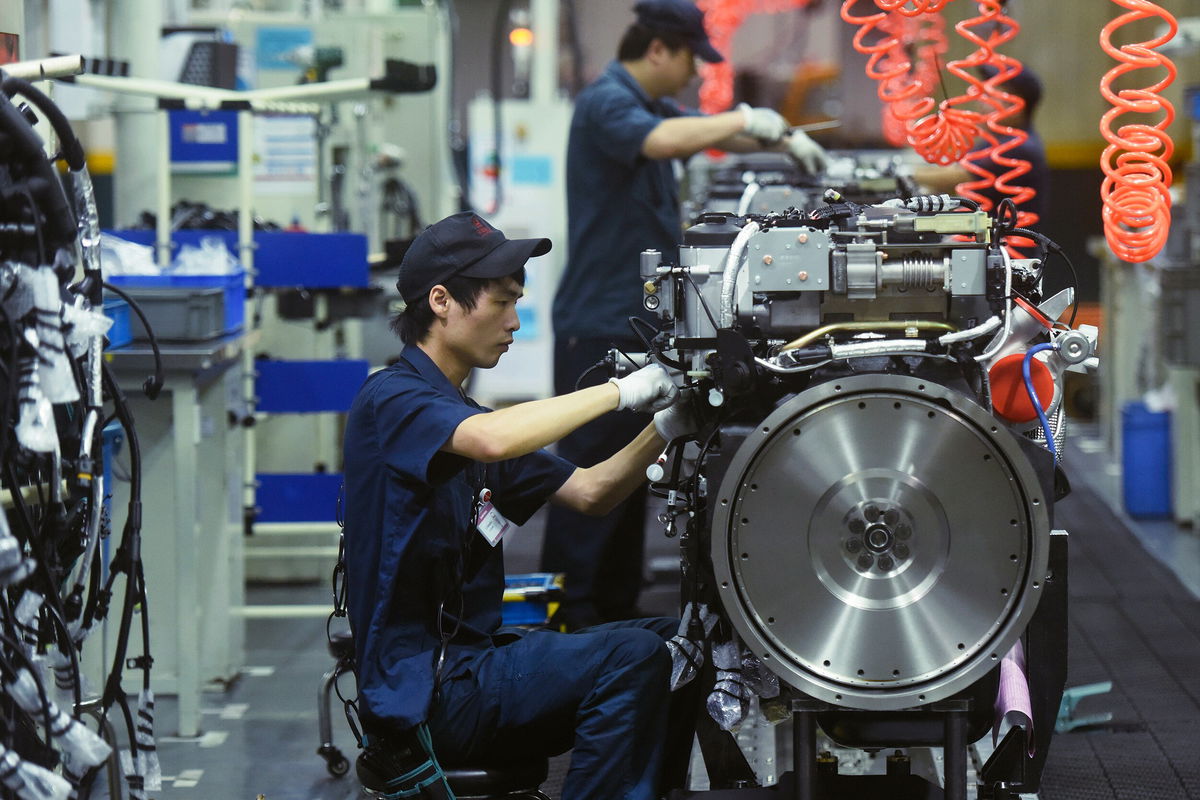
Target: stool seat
341,645
497,779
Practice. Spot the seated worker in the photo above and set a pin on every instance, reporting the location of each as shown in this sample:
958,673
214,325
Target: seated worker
433,481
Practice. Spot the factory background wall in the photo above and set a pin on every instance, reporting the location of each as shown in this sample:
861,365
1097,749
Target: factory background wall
1059,39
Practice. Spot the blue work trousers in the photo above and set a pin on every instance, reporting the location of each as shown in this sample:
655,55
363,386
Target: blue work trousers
601,557
600,692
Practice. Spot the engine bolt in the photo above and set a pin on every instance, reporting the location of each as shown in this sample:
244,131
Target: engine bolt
903,531
802,275
853,545
768,259
802,238
891,516
857,525
900,550
865,561
871,512
886,563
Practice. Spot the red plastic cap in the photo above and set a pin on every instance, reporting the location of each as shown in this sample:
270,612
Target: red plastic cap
1010,400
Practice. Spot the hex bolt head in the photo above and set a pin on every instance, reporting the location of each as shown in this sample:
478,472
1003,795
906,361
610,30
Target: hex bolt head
802,238
802,275
857,525
853,545
886,563
865,561
891,516
900,550
768,259
903,531
871,512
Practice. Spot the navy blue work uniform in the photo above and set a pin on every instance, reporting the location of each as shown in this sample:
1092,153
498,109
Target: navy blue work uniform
619,203
409,526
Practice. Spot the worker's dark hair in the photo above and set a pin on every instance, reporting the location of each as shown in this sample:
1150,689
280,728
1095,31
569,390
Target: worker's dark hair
413,323
638,37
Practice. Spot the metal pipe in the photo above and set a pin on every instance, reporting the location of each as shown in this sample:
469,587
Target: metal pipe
804,754
880,325
42,69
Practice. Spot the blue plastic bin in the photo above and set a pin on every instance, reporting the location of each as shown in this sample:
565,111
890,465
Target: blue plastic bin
233,284
120,334
1146,461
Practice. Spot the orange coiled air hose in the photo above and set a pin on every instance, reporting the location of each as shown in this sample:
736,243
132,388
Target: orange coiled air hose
1137,178
925,37
722,18
940,137
1002,138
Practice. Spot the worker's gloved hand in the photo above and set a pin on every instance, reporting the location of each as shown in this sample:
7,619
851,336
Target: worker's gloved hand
676,421
648,390
764,124
807,153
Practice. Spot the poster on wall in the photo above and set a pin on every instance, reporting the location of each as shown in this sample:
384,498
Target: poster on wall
285,148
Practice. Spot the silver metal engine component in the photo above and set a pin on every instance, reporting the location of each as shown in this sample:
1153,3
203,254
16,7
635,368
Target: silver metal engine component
879,541
877,520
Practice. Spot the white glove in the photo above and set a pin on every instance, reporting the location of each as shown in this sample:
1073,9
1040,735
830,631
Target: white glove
808,153
675,421
648,390
764,124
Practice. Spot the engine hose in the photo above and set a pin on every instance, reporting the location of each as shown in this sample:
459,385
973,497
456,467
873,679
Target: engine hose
733,263
1033,398
1137,178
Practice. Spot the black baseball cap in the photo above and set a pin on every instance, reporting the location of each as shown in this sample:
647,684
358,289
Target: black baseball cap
682,17
462,244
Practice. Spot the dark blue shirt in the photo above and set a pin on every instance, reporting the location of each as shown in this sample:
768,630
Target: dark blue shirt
408,510
619,203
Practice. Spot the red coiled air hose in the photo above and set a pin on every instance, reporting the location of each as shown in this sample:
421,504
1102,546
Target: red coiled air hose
1137,178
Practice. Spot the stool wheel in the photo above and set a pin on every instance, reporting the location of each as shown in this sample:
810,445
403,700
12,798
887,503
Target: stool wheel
335,763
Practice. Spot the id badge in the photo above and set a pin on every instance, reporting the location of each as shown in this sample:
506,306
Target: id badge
490,522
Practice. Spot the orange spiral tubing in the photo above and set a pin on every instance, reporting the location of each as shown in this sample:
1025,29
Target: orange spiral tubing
1137,177
1001,137
722,18
942,136
910,91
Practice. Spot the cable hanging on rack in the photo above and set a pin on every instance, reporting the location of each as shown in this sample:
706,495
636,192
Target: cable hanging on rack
1137,177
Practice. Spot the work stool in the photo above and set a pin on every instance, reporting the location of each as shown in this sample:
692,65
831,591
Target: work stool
517,780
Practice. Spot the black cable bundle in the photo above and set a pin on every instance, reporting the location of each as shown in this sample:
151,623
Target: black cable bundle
52,398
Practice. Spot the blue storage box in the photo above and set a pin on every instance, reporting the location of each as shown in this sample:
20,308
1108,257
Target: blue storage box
169,291
306,387
531,598
286,259
121,333
297,497
1146,461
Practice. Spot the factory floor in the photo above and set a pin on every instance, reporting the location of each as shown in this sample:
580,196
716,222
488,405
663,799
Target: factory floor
260,736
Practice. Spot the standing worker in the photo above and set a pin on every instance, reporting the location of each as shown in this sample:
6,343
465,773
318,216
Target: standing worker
432,483
622,198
